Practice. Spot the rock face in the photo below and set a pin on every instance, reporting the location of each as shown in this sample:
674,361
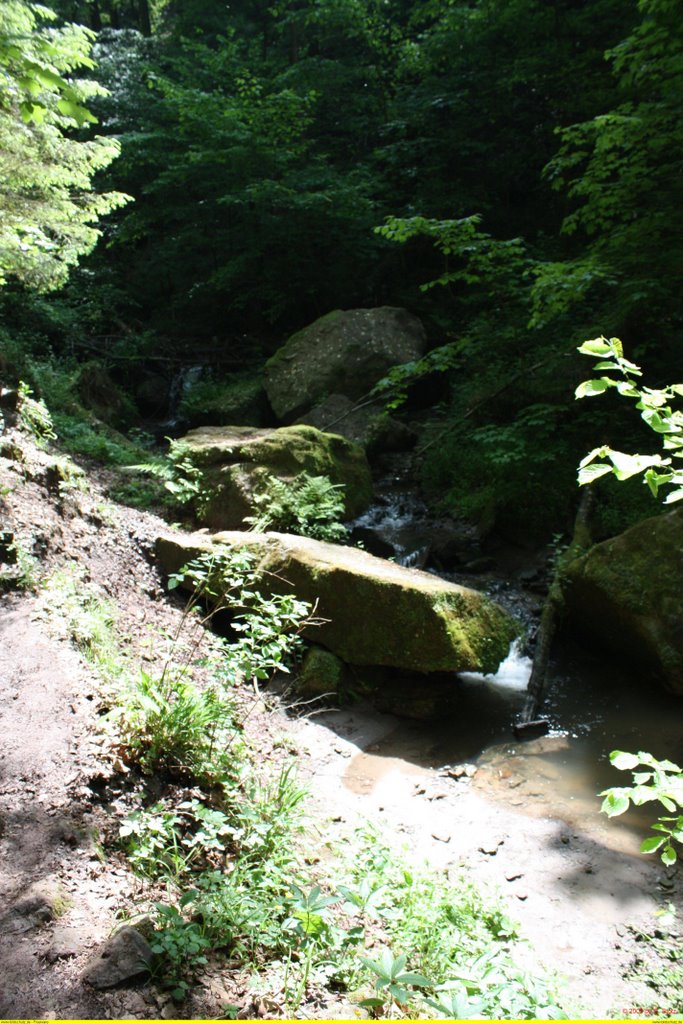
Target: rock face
343,353
627,592
378,613
236,460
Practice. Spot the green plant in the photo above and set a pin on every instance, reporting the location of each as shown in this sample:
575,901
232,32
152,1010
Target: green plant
661,781
18,567
87,616
180,476
179,947
655,409
311,506
659,961
269,628
34,416
170,724
392,979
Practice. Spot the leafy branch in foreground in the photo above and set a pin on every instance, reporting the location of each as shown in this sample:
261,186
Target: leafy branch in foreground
662,781
655,406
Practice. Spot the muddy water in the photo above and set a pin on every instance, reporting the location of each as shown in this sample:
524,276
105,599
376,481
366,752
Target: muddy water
593,707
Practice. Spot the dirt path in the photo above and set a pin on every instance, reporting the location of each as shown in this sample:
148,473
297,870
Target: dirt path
59,900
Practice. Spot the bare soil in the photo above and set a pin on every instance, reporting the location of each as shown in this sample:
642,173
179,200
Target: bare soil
65,889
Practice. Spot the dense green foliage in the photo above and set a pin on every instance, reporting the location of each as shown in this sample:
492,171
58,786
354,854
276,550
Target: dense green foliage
523,154
48,209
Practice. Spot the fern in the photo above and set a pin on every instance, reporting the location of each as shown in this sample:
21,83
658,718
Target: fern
311,506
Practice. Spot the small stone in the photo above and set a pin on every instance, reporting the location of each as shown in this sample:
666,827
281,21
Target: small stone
512,876
490,848
441,837
125,956
66,942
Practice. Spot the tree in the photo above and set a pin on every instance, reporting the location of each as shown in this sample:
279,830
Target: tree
48,207
621,172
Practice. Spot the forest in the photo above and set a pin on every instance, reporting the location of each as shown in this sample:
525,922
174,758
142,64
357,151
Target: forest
297,299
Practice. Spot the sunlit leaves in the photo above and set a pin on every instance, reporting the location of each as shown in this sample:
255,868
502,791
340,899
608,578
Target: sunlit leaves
662,782
48,211
655,410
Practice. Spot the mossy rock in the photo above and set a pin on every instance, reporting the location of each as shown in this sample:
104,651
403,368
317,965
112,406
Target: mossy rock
236,460
374,612
322,674
344,352
627,593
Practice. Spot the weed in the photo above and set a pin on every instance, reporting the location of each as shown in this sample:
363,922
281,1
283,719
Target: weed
18,567
170,724
179,475
34,416
659,963
179,947
88,618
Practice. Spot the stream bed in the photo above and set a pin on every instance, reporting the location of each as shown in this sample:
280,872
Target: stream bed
593,704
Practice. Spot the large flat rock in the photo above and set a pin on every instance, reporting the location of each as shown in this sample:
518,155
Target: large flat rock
377,613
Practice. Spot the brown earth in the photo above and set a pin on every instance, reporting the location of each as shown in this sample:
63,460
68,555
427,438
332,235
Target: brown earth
64,886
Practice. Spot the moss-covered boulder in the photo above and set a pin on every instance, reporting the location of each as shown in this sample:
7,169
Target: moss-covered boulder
375,612
345,352
235,462
322,674
628,593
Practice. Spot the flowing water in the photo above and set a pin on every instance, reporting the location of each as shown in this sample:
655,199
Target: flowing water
594,706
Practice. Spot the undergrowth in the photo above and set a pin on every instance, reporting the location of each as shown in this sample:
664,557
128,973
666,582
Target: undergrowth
223,850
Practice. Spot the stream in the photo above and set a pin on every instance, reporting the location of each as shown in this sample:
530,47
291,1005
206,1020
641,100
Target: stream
594,706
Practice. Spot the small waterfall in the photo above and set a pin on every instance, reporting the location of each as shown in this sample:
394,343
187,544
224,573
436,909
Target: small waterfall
182,382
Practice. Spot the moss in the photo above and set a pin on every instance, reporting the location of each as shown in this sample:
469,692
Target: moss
627,591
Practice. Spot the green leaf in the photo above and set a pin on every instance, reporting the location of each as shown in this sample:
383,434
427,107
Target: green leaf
594,387
652,844
588,474
596,347
623,760
615,803
669,855
410,978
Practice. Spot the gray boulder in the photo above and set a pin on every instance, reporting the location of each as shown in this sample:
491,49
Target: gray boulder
367,425
345,352
125,957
